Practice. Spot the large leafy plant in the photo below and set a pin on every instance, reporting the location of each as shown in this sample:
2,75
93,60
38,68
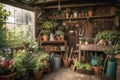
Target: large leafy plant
108,35
3,16
22,59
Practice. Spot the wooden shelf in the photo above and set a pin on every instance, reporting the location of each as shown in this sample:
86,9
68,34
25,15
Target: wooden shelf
78,5
92,17
53,42
57,51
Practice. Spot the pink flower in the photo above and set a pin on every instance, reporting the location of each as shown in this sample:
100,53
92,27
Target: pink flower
4,64
11,62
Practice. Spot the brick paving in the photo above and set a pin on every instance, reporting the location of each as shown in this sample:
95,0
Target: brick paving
67,74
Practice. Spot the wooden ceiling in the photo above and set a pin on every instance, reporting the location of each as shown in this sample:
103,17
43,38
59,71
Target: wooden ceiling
46,4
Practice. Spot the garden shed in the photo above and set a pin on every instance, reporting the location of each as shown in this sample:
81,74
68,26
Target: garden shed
59,39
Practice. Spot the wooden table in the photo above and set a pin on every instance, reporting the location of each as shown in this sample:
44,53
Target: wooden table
92,47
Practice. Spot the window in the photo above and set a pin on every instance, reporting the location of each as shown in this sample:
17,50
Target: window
19,25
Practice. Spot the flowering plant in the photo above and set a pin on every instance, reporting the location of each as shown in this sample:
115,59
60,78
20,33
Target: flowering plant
6,64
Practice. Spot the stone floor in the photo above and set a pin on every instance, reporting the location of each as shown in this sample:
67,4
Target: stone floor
67,74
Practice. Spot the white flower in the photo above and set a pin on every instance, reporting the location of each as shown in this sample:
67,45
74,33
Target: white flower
2,59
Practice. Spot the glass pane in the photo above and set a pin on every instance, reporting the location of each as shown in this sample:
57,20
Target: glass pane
24,19
18,33
10,19
32,15
10,32
18,18
11,9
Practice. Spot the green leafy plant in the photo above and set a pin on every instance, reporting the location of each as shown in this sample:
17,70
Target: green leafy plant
3,16
6,63
88,67
44,56
89,40
39,66
82,39
117,48
47,25
111,53
22,59
108,35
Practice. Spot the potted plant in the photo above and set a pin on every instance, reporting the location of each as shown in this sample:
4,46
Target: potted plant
67,12
7,67
107,35
45,35
82,40
45,58
67,58
89,69
81,67
22,59
38,69
75,13
47,25
97,65
90,12
61,34
89,41
117,49
47,48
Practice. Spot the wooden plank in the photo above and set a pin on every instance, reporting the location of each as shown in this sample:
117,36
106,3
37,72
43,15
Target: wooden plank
18,4
78,5
46,1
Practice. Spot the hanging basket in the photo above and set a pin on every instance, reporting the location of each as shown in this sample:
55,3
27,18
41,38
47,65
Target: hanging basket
8,77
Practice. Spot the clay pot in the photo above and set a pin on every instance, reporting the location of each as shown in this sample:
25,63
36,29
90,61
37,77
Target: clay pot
55,48
38,75
96,70
90,13
46,48
8,77
67,62
45,38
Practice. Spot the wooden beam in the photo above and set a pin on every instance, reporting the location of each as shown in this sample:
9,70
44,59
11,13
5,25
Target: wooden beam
18,4
46,1
77,5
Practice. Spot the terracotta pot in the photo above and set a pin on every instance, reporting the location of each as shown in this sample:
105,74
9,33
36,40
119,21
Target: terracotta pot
96,70
26,45
46,48
67,62
90,13
8,77
38,75
55,48
62,37
45,38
